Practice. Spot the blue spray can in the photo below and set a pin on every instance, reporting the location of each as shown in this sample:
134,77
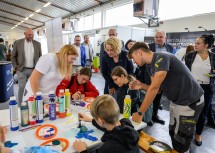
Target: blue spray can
52,106
39,107
14,120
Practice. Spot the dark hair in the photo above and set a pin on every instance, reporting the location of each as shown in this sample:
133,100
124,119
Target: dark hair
85,36
138,45
189,49
86,71
208,39
1,40
118,71
126,44
77,36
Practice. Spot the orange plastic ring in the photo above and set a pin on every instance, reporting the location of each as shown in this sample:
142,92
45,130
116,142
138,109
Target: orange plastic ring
44,126
60,139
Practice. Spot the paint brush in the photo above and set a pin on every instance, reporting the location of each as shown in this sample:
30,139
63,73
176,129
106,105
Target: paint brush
79,120
29,128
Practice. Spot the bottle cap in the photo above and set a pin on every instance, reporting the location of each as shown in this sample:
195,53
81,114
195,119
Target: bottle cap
51,92
61,91
31,98
38,93
66,90
23,103
13,98
128,97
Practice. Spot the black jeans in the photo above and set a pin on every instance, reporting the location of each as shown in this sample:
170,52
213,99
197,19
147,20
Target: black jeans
208,95
156,104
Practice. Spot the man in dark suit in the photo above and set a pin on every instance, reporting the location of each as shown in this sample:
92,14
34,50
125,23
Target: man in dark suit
25,55
159,46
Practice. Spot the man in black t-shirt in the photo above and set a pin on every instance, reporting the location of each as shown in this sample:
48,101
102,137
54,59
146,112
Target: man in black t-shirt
173,78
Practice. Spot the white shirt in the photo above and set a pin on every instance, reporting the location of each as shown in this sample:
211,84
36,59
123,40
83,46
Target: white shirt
29,54
78,59
200,68
51,78
180,53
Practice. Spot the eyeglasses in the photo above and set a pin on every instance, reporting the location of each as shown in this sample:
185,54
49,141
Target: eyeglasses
159,37
114,80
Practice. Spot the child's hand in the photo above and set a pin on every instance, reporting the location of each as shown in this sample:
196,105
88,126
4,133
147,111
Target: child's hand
135,85
84,117
79,145
77,95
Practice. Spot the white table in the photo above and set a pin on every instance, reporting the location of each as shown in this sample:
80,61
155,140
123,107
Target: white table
64,126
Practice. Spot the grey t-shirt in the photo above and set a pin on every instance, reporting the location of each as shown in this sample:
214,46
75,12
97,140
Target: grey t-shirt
179,86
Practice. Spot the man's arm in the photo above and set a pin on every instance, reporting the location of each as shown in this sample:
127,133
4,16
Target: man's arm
153,90
14,56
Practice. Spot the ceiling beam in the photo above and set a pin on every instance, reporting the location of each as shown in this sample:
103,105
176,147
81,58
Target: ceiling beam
20,16
24,8
57,6
12,24
16,20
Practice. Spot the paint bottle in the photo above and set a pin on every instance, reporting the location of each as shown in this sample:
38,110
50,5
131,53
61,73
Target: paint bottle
32,113
61,99
14,120
127,107
67,102
39,107
24,114
52,106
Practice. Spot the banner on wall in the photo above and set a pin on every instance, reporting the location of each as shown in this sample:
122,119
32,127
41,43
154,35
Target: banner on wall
183,39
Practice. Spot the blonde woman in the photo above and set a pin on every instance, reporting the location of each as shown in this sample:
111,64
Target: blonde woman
49,71
114,57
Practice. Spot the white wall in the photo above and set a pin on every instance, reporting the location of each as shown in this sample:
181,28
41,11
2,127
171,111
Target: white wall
193,22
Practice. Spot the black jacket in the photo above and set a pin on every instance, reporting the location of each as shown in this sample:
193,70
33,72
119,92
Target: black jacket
122,139
120,96
169,48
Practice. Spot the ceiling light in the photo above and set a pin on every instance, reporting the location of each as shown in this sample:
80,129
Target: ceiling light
47,4
16,25
12,28
31,15
22,21
38,10
26,18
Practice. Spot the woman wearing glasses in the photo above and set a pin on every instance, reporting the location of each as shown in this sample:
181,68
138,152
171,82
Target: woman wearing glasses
114,57
49,71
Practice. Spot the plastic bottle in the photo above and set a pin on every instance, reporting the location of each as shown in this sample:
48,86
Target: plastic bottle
32,113
52,106
127,107
24,114
39,107
67,102
14,120
61,99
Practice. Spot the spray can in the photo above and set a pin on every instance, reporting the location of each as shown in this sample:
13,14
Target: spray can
67,102
61,99
127,107
39,107
24,114
14,120
32,110
52,106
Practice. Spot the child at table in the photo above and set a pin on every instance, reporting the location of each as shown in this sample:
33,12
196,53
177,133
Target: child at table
119,135
79,85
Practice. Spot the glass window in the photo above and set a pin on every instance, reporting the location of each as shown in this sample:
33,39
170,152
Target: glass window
122,15
81,24
97,20
88,22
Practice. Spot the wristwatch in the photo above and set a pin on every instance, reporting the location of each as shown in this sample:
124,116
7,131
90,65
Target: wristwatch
140,113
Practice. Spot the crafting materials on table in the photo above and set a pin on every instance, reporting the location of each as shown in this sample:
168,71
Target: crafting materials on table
52,106
64,143
32,110
46,131
30,128
14,120
67,102
24,114
61,100
39,107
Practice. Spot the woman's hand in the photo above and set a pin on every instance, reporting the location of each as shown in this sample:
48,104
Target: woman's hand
84,117
79,145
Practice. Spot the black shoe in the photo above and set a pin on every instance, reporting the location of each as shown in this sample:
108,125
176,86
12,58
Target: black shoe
157,119
150,123
160,107
198,143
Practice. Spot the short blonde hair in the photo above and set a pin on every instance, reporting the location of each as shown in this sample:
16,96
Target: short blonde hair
106,108
115,44
64,67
